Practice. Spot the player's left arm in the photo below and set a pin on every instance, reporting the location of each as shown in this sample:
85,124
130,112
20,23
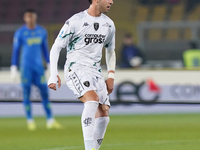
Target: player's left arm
111,63
110,59
45,48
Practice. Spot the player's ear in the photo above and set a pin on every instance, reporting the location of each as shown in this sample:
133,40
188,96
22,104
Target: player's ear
35,16
96,1
24,17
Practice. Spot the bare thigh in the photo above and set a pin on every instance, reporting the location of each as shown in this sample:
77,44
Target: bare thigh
89,96
102,111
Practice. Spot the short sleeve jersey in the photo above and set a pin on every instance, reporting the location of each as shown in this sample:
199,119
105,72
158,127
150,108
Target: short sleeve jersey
84,37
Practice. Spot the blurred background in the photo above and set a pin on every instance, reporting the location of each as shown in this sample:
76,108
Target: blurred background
158,60
157,48
161,29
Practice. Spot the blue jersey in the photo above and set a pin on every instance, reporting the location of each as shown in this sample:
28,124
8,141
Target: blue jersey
31,45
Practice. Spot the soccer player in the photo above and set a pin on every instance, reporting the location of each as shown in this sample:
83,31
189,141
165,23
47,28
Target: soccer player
84,35
31,40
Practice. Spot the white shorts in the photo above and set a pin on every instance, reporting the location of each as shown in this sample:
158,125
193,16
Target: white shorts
81,81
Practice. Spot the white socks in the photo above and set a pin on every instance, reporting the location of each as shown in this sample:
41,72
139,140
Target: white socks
99,131
50,121
88,122
30,121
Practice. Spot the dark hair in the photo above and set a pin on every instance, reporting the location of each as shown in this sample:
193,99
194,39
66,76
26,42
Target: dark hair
128,35
30,10
90,1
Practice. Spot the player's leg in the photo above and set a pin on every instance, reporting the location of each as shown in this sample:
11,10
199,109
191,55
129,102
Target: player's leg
27,103
102,114
83,86
26,79
40,82
101,123
90,100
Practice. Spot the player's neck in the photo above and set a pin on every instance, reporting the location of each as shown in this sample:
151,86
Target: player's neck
31,26
93,11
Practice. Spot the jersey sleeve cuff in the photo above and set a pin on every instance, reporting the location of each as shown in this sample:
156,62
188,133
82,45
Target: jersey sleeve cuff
52,80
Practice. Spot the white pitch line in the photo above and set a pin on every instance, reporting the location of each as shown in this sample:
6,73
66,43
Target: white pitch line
124,144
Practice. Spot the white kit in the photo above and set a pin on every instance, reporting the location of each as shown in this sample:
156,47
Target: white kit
84,37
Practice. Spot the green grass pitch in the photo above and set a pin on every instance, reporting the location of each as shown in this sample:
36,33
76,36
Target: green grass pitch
131,132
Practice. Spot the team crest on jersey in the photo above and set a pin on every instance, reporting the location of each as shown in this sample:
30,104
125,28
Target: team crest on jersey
96,26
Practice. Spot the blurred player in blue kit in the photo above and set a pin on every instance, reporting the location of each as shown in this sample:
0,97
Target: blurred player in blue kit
31,40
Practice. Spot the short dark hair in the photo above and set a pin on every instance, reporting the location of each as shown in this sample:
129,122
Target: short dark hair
128,35
30,10
90,1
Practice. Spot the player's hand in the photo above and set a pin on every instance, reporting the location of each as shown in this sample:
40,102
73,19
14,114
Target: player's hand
13,73
110,85
53,85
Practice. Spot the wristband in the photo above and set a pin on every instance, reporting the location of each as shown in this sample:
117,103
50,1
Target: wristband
111,75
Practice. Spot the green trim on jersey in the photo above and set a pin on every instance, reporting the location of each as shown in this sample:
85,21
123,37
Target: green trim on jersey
107,45
95,64
70,65
67,35
72,44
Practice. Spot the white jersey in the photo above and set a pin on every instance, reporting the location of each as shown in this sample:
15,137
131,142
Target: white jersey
84,37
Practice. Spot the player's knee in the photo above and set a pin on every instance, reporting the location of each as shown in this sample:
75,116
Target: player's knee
26,86
93,96
26,101
105,108
26,92
43,87
44,95
44,91
90,96
96,98
103,111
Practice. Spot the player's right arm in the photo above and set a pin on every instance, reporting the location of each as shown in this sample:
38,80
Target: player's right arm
54,77
61,41
17,43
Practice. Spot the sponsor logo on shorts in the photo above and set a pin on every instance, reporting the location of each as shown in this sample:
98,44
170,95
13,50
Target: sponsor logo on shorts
86,83
94,38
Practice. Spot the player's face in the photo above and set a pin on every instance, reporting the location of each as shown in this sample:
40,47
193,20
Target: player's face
105,5
30,18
